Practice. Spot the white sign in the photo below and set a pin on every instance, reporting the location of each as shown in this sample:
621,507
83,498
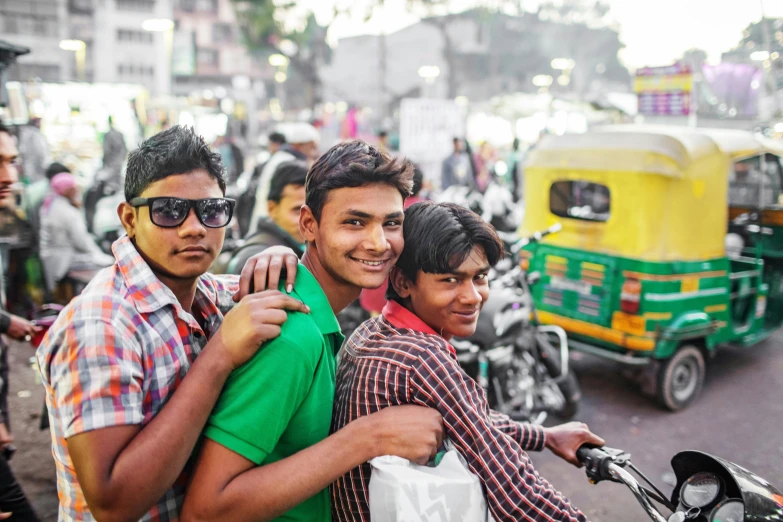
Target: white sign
427,130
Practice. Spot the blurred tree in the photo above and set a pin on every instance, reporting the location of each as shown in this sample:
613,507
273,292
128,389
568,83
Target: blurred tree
285,27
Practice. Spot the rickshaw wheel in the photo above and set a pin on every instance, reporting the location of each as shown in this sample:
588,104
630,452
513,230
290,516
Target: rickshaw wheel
681,378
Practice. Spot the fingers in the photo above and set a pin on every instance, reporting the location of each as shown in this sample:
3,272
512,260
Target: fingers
291,266
4,516
595,439
245,280
275,269
260,275
275,299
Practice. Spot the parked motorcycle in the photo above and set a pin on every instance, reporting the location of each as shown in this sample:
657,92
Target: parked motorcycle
522,365
709,489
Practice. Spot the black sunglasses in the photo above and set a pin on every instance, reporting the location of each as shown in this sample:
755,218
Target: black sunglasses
168,212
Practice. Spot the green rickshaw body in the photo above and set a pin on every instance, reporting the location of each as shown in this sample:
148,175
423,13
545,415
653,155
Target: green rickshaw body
640,266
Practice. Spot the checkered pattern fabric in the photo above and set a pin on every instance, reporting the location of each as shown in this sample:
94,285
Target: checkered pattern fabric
397,359
114,357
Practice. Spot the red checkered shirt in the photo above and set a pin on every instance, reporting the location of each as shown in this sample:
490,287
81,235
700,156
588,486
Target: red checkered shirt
397,359
116,354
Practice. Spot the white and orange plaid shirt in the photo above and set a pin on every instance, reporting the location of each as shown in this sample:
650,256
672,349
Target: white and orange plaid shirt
116,354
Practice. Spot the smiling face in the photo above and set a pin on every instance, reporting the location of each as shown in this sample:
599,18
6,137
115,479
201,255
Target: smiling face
8,172
359,236
180,253
448,303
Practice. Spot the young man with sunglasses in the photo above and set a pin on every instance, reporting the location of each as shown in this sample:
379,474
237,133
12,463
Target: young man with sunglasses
156,330
275,412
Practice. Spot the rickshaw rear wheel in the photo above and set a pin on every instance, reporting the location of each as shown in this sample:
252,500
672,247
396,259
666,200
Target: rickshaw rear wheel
681,378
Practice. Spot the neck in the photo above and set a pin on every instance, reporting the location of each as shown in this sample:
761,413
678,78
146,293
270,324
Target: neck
183,289
339,293
409,306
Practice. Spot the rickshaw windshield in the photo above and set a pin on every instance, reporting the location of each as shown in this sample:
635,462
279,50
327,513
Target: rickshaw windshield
756,182
580,200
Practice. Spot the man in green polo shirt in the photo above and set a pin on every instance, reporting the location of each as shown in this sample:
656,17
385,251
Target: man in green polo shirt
274,413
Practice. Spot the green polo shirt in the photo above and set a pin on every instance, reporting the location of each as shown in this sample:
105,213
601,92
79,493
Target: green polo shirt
280,401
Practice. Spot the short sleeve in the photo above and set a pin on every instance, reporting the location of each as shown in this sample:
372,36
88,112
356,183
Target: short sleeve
97,376
260,398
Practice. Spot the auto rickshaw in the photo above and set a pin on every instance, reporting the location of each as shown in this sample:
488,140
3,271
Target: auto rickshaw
671,244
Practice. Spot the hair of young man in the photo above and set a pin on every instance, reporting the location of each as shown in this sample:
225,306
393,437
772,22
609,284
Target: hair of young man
177,150
288,173
355,164
439,237
277,137
55,168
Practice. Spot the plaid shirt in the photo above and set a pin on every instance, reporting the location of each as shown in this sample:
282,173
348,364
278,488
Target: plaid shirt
397,359
116,354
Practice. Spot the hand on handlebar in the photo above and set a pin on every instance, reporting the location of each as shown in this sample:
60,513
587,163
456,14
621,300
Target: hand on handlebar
566,439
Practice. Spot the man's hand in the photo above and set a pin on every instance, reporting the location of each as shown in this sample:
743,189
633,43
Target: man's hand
257,318
5,437
565,439
4,516
22,329
412,432
263,271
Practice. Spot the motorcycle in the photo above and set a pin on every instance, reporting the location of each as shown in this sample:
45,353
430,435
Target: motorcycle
708,489
522,365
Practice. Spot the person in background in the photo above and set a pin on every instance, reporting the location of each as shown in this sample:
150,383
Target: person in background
65,243
281,226
301,144
34,151
114,153
383,140
35,193
12,498
276,141
247,200
457,168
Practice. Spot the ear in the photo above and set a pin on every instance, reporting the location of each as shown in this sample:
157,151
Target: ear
308,225
400,283
127,216
271,206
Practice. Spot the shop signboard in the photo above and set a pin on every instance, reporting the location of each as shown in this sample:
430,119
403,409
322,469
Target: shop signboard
664,91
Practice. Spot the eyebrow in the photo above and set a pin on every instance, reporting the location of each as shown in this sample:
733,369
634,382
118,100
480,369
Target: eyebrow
365,215
466,274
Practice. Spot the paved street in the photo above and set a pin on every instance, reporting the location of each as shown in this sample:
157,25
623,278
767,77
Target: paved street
739,416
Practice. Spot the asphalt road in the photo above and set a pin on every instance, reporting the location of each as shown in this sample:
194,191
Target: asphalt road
739,417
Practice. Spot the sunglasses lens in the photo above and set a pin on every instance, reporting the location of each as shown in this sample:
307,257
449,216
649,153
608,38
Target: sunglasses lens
169,212
215,213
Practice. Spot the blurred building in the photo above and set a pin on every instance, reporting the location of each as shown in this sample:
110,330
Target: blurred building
38,25
117,48
487,54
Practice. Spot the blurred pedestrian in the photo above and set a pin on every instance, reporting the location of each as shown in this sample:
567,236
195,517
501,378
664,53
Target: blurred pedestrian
281,226
114,154
65,243
35,193
12,498
246,201
457,168
383,140
301,144
34,151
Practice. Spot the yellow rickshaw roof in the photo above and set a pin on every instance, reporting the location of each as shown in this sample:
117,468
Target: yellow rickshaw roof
593,150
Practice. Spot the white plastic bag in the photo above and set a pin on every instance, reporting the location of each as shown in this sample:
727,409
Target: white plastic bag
401,491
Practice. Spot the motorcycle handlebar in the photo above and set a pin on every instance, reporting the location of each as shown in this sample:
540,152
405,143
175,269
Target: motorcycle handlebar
536,237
